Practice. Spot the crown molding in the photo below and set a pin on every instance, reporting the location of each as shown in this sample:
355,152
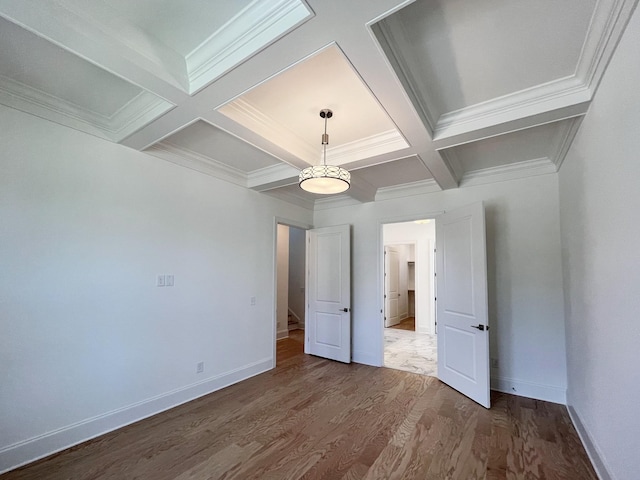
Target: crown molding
505,113
291,198
390,45
44,105
252,118
136,113
378,144
335,201
566,141
528,168
258,24
450,157
195,161
554,96
408,189
272,177
609,20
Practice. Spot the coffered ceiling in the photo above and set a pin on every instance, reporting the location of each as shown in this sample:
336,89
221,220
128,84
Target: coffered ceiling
426,94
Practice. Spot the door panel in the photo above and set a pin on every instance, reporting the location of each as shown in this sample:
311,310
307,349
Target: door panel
392,285
328,332
462,309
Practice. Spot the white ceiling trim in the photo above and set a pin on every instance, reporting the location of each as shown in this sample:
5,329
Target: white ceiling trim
272,177
136,113
452,160
140,111
258,24
554,95
528,168
565,143
249,116
607,24
292,198
195,161
408,189
102,45
391,48
609,20
379,144
335,202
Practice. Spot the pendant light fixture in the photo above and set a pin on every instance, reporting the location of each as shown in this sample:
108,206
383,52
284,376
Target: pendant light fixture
325,179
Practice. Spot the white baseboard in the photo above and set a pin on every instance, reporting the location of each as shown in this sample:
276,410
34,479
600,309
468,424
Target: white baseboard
282,334
547,393
27,451
592,450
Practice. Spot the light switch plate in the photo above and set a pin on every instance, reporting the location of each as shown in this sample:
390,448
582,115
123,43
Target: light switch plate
168,280
160,281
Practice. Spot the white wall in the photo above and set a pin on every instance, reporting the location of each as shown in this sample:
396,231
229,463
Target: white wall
282,281
297,258
423,236
88,342
525,277
600,213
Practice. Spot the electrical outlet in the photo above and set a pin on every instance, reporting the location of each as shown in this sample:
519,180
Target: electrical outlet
494,363
253,300
168,280
160,281
200,367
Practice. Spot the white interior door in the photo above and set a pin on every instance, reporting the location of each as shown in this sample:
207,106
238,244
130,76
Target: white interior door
462,311
328,329
391,286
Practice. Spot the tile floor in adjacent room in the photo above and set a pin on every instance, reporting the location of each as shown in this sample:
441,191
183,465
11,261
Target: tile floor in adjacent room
410,351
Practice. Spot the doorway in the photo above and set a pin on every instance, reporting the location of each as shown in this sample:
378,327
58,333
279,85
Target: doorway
290,291
409,308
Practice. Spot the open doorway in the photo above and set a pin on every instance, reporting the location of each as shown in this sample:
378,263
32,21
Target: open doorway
290,291
409,304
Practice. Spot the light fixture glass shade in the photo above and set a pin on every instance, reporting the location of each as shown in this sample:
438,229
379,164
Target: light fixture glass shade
324,179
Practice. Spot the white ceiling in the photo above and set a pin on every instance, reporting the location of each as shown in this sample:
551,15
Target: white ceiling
426,95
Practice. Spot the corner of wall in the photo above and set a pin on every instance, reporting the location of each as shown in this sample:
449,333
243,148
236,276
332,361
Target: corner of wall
595,455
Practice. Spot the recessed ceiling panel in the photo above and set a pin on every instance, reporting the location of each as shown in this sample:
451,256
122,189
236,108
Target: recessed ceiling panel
458,53
32,61
182,26
406,170
187,43
285,111
542,143
215,144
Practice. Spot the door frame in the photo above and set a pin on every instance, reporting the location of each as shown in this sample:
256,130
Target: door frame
274,266
381,223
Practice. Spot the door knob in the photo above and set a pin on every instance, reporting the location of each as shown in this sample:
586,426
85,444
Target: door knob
344,309
480,327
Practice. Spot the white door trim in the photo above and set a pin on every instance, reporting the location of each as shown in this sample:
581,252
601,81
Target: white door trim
379,357
274,268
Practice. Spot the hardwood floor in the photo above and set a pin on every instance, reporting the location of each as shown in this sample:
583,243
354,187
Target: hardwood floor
408,323
317,419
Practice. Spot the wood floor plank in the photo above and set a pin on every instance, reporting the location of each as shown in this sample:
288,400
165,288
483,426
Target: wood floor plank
311,418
